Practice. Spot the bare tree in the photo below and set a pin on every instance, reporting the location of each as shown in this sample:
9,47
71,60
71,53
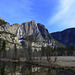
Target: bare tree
48,53
29,52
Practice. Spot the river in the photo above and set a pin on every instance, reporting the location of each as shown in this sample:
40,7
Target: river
21,68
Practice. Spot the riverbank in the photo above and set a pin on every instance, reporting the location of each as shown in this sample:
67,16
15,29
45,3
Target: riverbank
13,60
64,62
57,63
70,65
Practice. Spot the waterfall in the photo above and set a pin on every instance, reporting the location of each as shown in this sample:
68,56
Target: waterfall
19,34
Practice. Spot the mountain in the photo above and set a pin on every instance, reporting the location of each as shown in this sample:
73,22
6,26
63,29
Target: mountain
37,30
9,42
15,39
66,37
37,35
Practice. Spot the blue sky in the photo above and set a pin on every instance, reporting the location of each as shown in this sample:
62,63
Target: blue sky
56,15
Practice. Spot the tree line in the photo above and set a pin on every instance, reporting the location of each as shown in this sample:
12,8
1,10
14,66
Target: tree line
44,52
49,51
10,53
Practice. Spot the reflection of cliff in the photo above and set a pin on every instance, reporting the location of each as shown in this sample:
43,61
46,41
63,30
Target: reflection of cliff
7,68
10,68
24,69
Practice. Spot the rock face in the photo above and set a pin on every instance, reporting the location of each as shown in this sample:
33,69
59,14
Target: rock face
67,36
29,33
9,43
10,28
37,30
31,28
14,28
43,31
37,35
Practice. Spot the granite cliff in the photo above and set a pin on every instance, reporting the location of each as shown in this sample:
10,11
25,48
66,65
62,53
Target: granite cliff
9,42
37,35
19,37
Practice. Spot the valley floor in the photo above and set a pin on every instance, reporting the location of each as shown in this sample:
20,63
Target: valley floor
59,58
67,62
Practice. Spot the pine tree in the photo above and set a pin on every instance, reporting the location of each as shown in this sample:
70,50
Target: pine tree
3,48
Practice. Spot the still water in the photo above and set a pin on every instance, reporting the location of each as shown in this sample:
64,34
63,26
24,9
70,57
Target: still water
7,68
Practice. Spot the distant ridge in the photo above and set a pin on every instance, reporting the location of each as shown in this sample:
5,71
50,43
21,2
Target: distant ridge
66,36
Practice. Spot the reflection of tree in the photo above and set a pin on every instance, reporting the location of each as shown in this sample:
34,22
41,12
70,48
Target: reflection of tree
2,68
26,69
14,68
52,71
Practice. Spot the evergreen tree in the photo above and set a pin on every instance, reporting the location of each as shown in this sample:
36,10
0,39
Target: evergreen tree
15,52
70,50
43,51
29,52
3,48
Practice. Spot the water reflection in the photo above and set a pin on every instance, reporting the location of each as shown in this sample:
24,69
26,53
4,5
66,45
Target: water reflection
7,68
66,73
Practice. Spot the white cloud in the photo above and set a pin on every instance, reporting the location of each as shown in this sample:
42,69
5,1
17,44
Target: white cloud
65,17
